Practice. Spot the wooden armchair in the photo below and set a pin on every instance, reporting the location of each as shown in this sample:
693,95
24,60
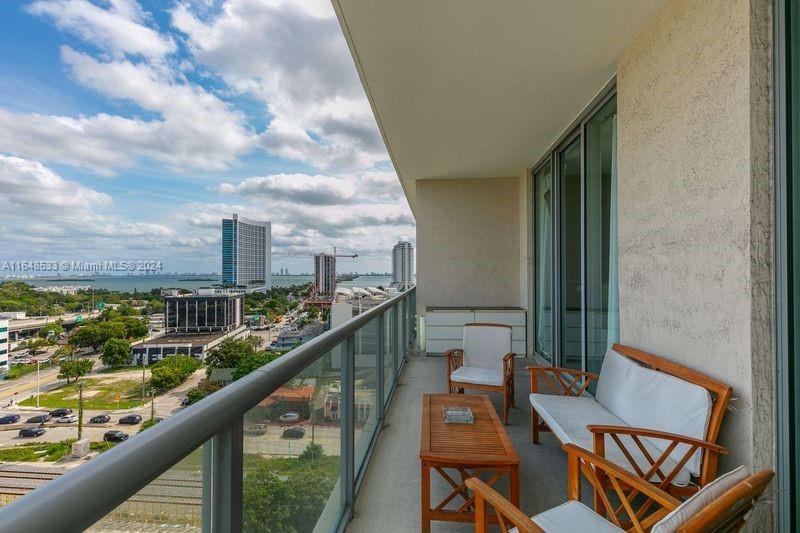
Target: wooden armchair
628,502
484,363
651,416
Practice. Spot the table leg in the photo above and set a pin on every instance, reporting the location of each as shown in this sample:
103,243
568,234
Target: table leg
513,485
425,492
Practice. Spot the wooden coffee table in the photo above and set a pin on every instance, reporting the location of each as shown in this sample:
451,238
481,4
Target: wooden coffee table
465,450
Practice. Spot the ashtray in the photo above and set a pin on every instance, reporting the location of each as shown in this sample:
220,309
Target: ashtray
458,415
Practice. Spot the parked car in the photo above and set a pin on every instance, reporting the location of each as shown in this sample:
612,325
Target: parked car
63,411
31,432
67,419
100,419
130,419
9,419
39,419
185,402
115,436
289,417
294,433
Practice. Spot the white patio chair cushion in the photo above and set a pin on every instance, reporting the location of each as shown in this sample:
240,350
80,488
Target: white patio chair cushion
699,500
568,416
478,376
485,345
646,398
573,516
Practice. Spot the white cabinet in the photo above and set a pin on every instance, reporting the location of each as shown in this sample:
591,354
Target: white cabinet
444,326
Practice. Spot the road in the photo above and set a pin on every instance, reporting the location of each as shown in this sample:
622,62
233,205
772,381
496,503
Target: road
165,405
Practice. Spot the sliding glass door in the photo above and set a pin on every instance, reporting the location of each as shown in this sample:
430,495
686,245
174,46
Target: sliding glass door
577,188
602,296
543,256
571,294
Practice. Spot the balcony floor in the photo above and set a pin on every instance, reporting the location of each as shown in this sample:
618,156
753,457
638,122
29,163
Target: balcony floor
390,494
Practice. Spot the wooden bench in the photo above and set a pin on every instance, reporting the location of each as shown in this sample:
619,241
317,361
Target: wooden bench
656,418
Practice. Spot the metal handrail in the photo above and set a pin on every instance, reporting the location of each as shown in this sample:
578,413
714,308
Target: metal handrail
84,495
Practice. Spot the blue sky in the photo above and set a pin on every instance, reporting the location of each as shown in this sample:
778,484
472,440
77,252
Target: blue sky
128,129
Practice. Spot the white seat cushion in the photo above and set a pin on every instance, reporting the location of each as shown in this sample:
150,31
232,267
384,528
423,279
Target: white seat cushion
478,376
700,500
646,398
573,516
568,416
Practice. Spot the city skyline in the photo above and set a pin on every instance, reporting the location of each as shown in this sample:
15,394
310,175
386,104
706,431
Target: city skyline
129,131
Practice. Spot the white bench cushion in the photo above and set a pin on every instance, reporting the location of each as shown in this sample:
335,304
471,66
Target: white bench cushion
646,398
485,346
573,516
478,376
568,416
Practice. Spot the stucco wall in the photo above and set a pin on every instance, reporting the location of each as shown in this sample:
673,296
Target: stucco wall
695,203
468,243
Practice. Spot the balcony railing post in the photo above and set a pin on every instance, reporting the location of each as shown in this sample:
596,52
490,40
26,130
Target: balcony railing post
396,338
347,418
227,453
381,391
208,477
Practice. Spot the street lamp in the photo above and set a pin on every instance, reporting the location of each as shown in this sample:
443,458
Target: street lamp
37,382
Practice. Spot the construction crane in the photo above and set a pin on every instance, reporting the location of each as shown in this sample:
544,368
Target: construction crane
312,254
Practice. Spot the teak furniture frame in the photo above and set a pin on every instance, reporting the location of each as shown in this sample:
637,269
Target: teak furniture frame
454,359
635,504
467,449
575,383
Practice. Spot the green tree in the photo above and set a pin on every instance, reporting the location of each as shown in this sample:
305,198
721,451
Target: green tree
36,345
73,369
268,500
134,327
228,353
95,335
250,362
126,310
203,389
312,452
51,330
116,352
172,371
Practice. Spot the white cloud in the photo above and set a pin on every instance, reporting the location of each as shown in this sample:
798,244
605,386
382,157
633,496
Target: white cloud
27,186
196,128
300,188
120,29
292,56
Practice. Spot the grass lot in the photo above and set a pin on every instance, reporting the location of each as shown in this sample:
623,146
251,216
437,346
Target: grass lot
46,451
98,393
118,369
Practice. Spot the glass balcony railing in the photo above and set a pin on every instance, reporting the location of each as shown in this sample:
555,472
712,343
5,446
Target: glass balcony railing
282,449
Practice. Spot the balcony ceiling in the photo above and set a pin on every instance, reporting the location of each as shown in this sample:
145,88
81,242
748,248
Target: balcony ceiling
474,88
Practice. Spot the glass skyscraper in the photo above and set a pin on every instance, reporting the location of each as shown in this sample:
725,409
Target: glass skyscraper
246,252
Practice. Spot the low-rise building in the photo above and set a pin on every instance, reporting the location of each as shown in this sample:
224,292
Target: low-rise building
196,345
289,339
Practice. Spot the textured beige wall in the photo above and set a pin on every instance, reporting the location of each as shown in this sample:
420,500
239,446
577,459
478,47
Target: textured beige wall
695,203
468,243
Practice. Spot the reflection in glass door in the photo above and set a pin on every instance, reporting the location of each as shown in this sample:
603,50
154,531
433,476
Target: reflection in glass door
543,257
571,297
602,290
